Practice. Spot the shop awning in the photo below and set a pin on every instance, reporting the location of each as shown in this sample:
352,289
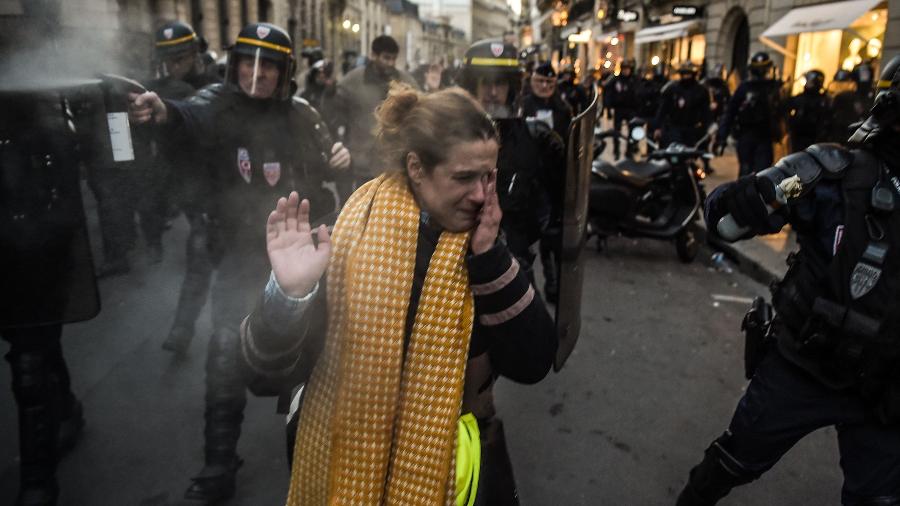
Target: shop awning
817,18
665,32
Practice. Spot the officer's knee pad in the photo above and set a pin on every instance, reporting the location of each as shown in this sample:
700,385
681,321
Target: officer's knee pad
717,474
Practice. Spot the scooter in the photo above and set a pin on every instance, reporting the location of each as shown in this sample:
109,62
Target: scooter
657,197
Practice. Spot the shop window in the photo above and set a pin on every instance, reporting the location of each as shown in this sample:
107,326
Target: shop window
835,49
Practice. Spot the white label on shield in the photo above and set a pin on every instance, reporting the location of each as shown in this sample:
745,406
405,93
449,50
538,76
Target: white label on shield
120,136
545,115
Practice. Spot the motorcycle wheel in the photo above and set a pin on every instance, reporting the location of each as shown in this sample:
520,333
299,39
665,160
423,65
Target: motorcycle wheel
686,245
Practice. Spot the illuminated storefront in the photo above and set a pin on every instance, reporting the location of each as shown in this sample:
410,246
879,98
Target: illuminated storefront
828,37
678,38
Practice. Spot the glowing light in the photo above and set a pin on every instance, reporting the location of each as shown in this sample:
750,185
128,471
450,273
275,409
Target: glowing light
807,57
614,41
346,24
355,27
583,37
608,55
873,49
607,64
874,16
601,13
654,60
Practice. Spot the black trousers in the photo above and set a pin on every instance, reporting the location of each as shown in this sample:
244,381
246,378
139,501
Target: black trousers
42,388
239,282
121,193
755,153
783,404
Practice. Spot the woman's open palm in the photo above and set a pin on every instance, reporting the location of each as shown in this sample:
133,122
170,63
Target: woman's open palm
297,262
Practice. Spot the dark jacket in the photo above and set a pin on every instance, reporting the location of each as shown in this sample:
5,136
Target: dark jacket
553,111
513,334
254,151
754,109
684,105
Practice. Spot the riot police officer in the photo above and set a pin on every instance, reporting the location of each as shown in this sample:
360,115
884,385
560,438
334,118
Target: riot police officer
808,113
684,111
180,73
647,94
620,97
258,143
719,93
830,356
544,102
531,163
752,116
570,92
47,272
849,105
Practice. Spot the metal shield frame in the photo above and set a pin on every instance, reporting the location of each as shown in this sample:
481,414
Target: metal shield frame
579,155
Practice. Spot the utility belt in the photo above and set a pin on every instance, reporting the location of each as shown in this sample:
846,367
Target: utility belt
840,346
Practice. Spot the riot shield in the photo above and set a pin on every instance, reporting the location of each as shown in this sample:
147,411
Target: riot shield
45,256
579,155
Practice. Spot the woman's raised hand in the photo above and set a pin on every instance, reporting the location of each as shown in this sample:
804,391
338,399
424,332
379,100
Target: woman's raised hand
297,262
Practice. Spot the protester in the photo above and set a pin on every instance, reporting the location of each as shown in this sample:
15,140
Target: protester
425,307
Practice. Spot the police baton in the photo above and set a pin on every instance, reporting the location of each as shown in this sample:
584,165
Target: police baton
787,189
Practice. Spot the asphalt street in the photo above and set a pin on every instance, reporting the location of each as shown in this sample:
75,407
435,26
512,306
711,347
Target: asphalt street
654,378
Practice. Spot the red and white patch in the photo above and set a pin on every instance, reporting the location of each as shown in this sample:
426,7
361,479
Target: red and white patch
243,163
496,49
167,33
263,31
272,172
838,235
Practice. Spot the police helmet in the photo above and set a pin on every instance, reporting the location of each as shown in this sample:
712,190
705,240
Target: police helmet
760,65
491,59
687,70
263,41
814,80
886,109
175,38
842,76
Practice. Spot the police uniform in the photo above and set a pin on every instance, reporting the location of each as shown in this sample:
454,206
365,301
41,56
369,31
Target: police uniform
255,151
530,165
620,96
752,117
808,113
553,110
182,183
833,358
47,272
684,111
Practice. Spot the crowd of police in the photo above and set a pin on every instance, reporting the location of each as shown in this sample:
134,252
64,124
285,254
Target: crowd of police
221,148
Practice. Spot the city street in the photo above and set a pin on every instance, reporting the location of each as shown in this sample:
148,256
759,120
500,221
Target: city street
653,380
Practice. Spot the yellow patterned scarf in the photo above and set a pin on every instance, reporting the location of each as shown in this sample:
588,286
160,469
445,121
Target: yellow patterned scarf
375,428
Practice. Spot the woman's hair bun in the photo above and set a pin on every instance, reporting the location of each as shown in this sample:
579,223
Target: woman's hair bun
400,102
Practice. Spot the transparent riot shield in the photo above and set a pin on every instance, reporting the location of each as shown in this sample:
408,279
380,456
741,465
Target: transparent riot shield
579,155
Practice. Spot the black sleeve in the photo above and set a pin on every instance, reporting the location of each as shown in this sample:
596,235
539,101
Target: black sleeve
510,317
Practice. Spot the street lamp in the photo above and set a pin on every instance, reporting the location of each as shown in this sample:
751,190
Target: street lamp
346,24
355,27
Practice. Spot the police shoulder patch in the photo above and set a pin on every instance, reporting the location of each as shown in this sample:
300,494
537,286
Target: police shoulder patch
863,279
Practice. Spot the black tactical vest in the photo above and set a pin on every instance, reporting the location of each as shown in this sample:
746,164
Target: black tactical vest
839,320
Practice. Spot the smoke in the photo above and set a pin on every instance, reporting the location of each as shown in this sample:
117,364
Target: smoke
52,41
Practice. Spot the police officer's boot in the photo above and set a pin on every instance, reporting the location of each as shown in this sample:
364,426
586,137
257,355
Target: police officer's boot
225,401
713,479
38,426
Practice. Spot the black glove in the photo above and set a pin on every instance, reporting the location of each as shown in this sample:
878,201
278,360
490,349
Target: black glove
745,200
